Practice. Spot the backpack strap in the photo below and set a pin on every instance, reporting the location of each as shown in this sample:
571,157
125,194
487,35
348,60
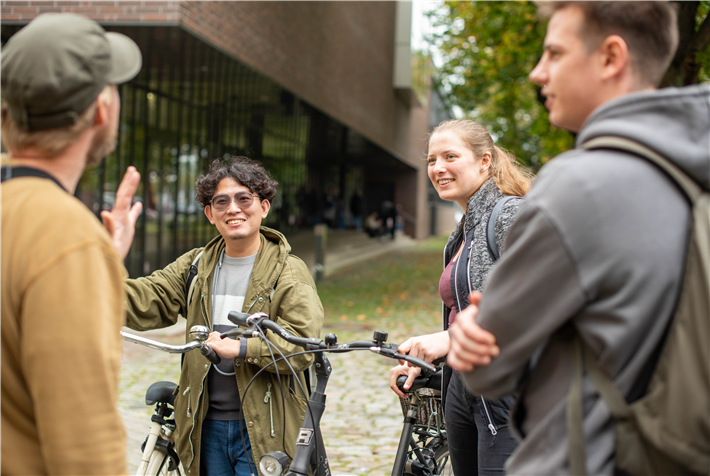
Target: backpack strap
491,231
7,172
692,190
611,395
190,283
688,185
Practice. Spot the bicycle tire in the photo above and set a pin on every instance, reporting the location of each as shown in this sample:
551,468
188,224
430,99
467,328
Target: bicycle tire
443,463
158,465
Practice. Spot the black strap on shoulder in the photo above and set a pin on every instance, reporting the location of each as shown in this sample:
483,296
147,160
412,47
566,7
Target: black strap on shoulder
191,277
491,232
7,172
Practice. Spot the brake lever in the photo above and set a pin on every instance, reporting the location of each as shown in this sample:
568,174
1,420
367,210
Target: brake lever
416,361
236,332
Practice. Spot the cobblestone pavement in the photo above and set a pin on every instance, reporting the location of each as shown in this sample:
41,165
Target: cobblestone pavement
361,424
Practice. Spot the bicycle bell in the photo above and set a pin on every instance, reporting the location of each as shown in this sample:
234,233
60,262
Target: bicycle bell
199,332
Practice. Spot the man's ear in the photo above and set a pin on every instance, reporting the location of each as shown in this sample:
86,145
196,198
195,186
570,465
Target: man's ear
102,105
208,214
614,57
265,207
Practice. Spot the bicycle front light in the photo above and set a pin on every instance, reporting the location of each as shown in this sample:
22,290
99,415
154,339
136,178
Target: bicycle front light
274,463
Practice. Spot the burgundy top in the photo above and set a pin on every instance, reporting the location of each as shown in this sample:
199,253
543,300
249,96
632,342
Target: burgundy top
445,290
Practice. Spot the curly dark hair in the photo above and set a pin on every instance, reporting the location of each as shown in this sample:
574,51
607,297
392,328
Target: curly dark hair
244,170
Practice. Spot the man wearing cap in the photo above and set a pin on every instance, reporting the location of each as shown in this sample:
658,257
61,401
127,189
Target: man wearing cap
62,273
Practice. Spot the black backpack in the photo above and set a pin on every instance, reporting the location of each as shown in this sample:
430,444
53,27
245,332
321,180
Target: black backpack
491,230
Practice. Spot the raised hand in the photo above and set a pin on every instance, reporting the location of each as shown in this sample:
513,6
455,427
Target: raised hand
121,220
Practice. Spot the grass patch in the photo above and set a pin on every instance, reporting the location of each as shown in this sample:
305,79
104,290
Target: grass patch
397,293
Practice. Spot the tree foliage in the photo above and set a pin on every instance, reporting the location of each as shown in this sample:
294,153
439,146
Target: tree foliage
691,63
488,49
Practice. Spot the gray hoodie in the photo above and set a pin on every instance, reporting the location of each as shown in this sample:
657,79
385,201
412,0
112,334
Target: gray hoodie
599,244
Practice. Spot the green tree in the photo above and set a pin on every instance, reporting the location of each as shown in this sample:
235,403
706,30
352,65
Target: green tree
691,63
488,49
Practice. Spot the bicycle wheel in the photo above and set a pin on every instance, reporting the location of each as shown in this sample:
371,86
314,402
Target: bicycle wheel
441,457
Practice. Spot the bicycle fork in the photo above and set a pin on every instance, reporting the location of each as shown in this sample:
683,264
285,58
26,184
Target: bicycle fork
401,462
310,450
406,439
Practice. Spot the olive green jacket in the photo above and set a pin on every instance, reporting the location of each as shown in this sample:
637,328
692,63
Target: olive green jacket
282,287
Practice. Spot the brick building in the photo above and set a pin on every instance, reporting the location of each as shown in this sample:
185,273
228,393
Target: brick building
320,92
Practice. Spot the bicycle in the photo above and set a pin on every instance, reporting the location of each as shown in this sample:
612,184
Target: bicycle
423,448
429,453
159,457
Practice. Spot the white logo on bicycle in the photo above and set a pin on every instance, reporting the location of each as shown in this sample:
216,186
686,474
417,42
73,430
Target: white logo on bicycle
304,437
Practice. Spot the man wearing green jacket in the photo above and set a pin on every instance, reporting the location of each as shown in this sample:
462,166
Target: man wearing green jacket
247,268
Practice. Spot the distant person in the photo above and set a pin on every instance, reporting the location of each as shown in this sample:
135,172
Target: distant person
247,268
357,208
373,225
62,273
389,215
598,251
466,167
330,208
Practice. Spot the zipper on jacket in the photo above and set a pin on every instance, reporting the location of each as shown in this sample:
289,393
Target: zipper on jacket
456,272
444,319
456,285
194,415
187,390
491,426
268,399
204,312
468,275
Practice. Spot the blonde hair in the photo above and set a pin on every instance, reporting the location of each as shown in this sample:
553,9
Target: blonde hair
51,142
510,177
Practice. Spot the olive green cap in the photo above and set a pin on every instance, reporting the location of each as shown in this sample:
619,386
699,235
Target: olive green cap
55,67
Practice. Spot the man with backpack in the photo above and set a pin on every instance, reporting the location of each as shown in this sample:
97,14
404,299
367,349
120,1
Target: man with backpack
230,414
603,286
62,274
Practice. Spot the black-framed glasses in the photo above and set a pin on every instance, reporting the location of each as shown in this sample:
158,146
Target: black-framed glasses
242,199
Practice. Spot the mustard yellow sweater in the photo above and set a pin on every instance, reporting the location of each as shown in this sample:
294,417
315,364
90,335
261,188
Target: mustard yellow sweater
62,310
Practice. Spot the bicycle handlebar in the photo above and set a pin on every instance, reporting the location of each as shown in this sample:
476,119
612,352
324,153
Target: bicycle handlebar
211,355
206,350
377,345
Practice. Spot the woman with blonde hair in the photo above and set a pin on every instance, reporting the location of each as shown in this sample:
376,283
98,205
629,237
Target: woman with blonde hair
465,166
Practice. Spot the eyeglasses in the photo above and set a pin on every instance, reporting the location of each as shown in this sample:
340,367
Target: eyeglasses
242,199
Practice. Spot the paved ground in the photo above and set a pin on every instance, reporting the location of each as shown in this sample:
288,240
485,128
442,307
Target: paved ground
345,248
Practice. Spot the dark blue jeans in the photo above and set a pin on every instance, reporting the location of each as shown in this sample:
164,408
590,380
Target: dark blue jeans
473,449
222,450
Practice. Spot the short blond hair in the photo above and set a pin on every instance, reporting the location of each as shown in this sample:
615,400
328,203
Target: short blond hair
51,142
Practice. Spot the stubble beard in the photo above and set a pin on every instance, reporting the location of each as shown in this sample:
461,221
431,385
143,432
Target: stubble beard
103,144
